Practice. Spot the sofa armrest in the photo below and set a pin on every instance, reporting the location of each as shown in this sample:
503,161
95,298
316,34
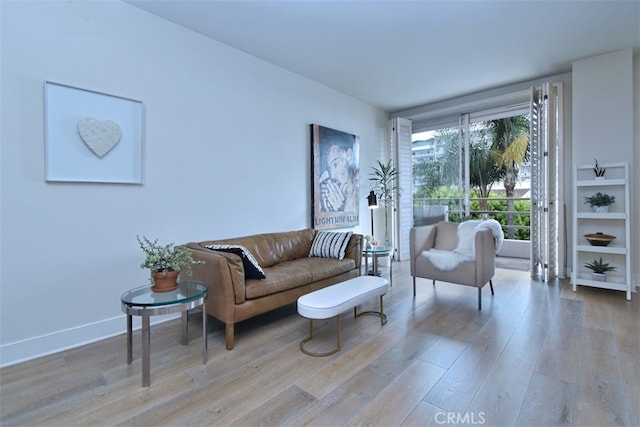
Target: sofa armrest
222,272
485,256
354,249
420,239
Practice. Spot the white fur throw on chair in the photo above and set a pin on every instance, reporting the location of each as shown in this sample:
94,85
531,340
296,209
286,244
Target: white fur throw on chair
466,247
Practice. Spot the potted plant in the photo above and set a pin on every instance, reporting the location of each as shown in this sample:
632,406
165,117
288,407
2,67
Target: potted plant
600,202
165,263
598,170
599,269
385,183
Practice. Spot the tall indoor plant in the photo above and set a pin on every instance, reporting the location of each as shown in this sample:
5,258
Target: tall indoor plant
384,178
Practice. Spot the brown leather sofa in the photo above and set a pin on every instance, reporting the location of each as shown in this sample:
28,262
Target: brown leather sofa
290,272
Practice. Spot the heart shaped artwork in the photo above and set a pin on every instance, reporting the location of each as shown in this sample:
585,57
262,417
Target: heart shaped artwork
99,135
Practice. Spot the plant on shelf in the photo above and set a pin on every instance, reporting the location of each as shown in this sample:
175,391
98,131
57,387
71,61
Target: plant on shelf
599,269
598,170
165,261
600,200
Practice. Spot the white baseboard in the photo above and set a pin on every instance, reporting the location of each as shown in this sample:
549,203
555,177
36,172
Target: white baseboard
44,345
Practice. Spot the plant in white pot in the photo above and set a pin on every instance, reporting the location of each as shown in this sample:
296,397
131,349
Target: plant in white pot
600,202
384,178
599,269
165,263
598,171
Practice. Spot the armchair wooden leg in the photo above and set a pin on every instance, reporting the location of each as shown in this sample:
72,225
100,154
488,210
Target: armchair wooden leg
229,333
479,298
434,282
414,286
491,286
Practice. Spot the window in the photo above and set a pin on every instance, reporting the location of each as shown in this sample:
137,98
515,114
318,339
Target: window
451,148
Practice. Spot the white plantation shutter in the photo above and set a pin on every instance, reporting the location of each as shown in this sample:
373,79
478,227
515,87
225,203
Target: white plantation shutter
402,161
544,183
534,145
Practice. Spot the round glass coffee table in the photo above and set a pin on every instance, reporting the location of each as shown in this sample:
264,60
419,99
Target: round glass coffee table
144,302
376,253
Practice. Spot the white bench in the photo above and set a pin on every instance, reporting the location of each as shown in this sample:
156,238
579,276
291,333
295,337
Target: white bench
334,300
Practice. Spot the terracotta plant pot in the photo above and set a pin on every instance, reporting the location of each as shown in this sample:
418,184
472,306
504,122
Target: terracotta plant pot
165,283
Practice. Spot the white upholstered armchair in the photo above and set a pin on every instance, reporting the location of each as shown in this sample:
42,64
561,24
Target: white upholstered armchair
462,254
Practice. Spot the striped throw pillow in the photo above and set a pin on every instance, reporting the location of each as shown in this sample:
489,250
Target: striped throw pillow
328,244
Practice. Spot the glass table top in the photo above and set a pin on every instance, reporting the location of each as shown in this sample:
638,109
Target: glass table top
143,296
378,250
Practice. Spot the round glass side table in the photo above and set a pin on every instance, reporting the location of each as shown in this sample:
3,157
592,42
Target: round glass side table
376,253
144,302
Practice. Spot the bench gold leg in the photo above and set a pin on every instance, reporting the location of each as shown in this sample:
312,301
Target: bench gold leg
310,337
383,317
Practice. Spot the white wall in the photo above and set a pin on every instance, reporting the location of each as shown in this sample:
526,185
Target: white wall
603,108
226,153
605,113
635,176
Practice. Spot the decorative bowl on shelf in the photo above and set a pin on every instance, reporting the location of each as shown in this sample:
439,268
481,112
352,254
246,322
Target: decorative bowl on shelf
599,239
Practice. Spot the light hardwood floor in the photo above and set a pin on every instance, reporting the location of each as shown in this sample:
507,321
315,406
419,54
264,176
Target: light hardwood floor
537,354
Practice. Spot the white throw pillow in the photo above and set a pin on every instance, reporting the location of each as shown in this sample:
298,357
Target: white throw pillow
328,244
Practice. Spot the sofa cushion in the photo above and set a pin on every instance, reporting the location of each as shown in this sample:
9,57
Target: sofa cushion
252,269
446,236
270,249
329,244
464,274
292,274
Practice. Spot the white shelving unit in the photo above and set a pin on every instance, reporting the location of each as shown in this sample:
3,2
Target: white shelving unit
615,222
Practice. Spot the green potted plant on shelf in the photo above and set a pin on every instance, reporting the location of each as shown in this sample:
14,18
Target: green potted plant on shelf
600,202
598,170
599,269
165,263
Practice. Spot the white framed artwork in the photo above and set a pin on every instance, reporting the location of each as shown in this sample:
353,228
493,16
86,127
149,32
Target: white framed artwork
91,136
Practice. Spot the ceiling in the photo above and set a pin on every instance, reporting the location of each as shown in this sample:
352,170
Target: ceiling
400,54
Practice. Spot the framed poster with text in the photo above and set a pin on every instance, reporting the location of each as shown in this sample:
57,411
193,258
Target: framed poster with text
336,177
